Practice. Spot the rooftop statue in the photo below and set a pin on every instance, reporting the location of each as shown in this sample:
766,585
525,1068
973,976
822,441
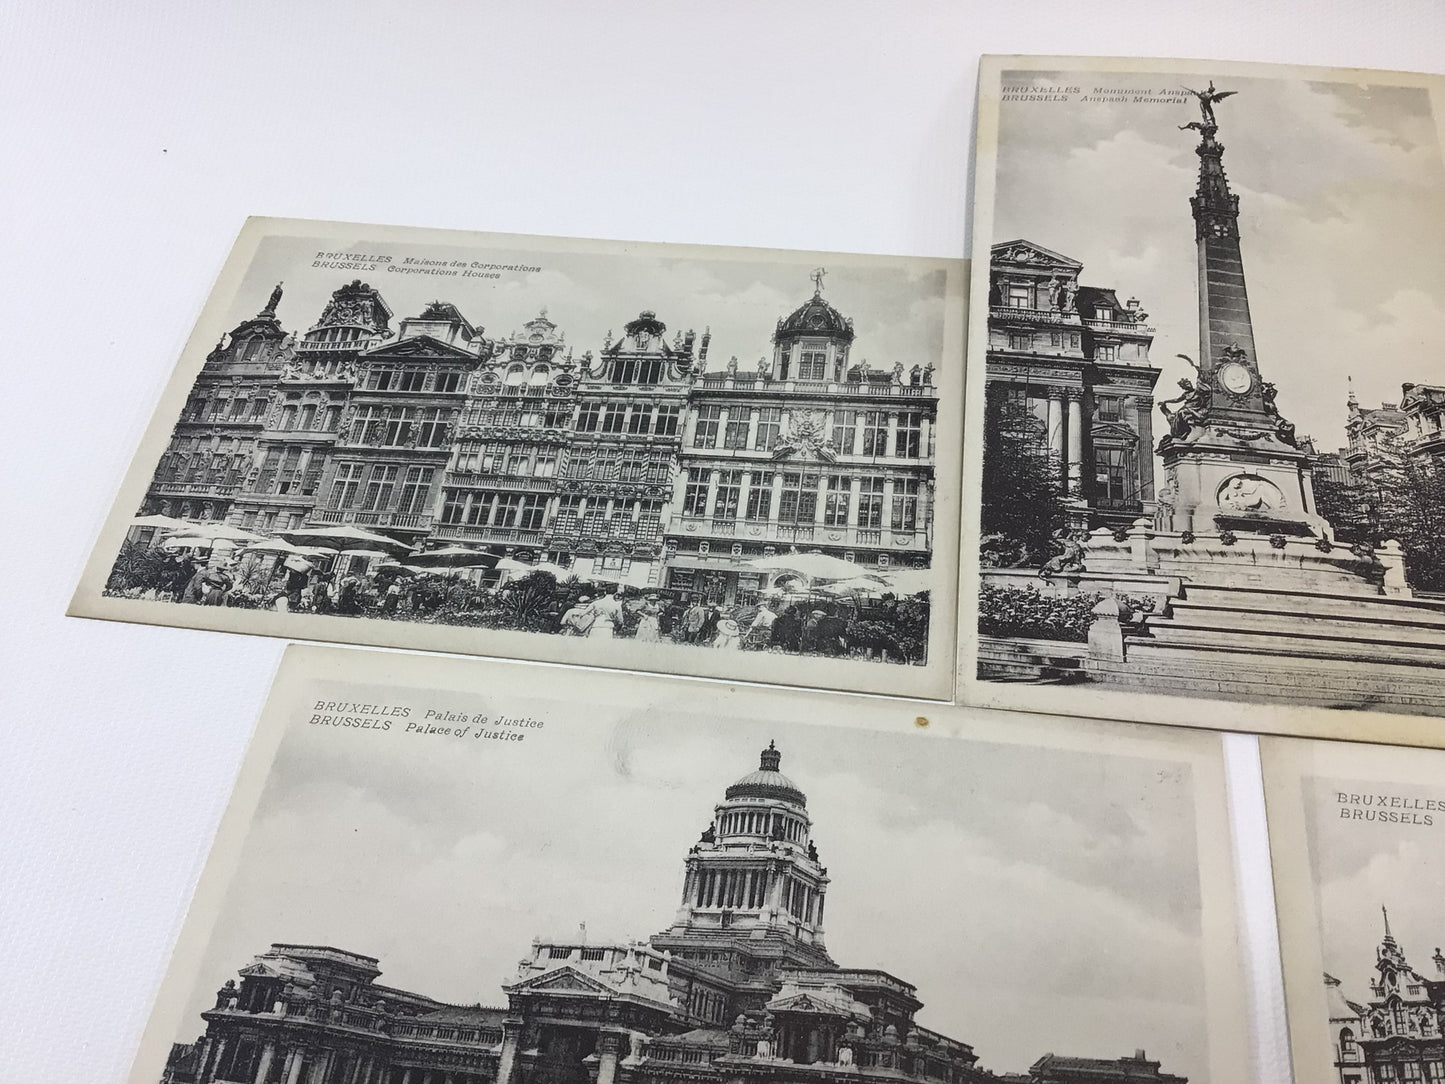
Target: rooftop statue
1207,98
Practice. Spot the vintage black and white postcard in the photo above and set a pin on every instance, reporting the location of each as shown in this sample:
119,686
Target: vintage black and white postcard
442,870
1206,407
1357,838
734,463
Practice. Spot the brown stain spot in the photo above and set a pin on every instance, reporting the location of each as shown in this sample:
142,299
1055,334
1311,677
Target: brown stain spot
921,722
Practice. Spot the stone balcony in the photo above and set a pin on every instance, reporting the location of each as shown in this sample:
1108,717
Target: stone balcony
409,521
756,383
791,534
507,483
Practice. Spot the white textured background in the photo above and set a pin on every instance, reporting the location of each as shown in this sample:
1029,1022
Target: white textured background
135,138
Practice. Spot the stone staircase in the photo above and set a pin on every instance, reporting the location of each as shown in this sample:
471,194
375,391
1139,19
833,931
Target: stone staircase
1243,643
1037,662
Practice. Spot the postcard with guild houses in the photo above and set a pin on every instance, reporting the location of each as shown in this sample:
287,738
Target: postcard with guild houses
720,462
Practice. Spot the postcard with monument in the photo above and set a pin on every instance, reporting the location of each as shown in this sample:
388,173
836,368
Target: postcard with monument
437,869
1206,410
735,463
1357,838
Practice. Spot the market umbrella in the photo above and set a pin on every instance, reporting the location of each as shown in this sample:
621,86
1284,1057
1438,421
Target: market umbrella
454,557
521,568
858,585
909,581
341,537
165,523
281,546
199,534
814,566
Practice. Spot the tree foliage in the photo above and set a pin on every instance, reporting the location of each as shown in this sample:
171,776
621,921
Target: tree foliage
1023,497
1397,498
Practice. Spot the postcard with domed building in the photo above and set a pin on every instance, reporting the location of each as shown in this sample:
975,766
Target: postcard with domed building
723,462
1205,414
447,871
1357,840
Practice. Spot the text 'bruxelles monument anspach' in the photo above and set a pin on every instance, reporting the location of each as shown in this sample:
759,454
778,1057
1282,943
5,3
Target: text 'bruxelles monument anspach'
1228,582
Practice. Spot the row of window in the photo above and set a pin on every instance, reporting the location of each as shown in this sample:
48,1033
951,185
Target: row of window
412,378
813,364
1410,1072
798,498
379,488
201,468
308,417
852,432
467,508
223,408
528,512
549,415
1057,340
520,460
394,427
639,420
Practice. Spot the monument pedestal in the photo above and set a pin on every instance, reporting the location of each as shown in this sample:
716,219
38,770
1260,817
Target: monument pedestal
1240,480
1247,559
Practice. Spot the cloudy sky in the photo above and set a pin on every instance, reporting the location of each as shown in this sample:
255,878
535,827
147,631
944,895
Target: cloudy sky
1342,222
897,310
1361,866
1040,901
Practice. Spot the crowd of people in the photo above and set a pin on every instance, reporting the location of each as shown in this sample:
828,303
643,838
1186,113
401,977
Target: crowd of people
796,622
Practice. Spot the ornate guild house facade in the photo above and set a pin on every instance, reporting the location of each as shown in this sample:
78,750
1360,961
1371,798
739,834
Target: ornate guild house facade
807,450
215,441
740,987
396,435
634,464
1078,359
501,484
624,453
307,404
1396,1036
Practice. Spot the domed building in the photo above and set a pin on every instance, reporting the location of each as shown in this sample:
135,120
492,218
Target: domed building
811,448
739,987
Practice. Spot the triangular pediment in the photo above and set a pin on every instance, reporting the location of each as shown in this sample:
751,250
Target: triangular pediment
421,346
1114,431
263,971
1030,254
565,979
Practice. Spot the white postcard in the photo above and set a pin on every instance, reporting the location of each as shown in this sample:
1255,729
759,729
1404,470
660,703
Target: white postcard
1206,414
490,873
734,463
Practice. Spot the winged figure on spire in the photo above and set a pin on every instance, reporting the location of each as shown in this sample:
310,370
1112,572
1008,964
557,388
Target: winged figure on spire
1207,98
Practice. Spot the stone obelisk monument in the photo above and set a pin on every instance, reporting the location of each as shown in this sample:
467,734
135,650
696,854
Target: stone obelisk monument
1231,461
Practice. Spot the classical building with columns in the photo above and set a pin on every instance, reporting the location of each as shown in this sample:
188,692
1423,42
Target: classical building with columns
808,449
204,468
1078,359
740,987
303,418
